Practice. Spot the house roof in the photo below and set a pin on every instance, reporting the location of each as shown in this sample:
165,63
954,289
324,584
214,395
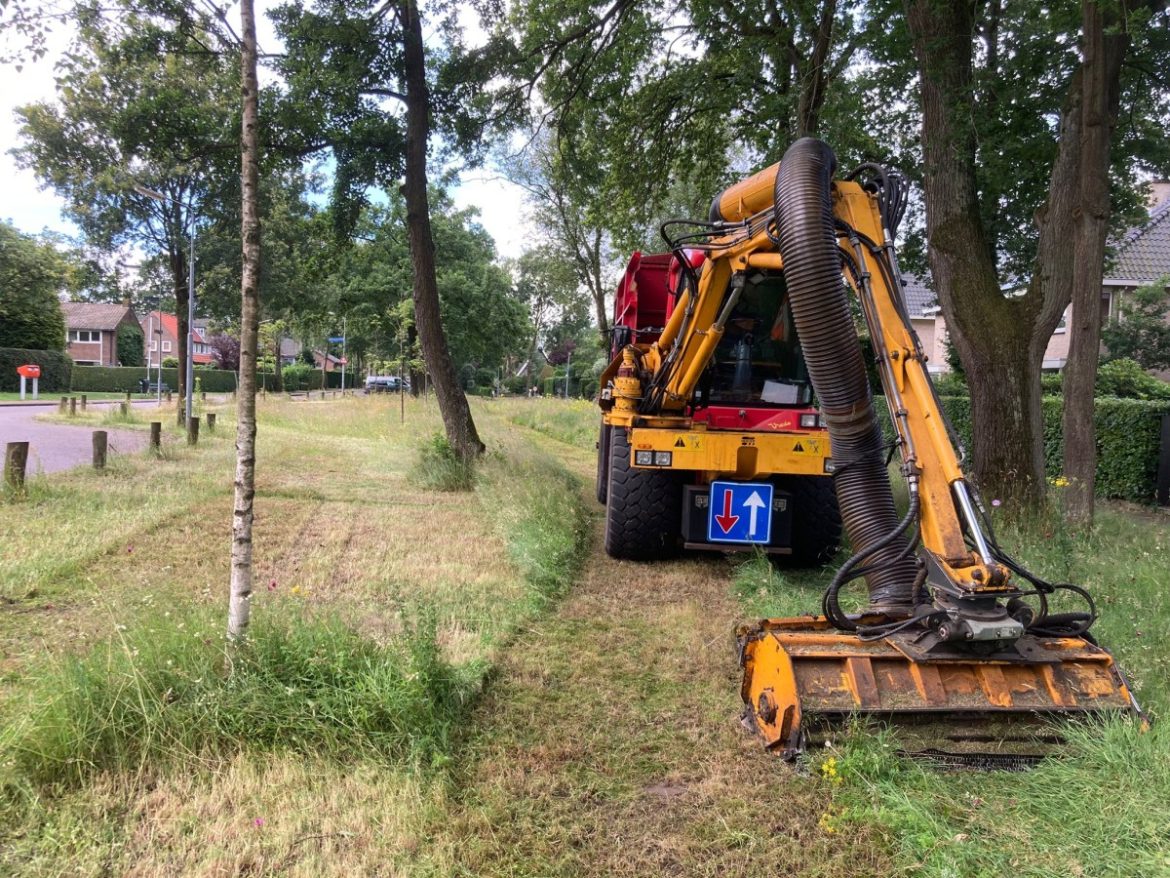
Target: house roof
920,298
170,325
1143,255
94,315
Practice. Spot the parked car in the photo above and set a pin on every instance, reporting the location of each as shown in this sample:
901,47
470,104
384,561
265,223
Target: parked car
385,384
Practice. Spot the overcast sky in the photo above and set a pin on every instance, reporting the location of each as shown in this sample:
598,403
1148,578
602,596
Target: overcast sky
33,210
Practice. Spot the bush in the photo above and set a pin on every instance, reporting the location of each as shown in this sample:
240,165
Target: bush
1128,441
439,468
170,363
298,376
118,379
1127,379
56,369
167,693
130,345
31,272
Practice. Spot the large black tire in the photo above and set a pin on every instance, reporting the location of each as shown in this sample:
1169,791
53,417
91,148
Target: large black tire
643,514
603,462
816,521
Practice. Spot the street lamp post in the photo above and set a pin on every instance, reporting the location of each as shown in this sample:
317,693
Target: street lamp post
190,364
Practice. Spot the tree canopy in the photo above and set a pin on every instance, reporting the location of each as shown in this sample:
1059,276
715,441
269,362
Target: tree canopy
31,274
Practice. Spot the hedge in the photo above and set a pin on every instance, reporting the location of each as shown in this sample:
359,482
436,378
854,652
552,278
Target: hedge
1129,439
117,379
56,369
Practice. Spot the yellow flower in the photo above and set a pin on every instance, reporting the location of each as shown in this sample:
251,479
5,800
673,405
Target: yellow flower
296,589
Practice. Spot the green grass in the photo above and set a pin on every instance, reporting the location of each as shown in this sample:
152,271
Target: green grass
439,468
169,692
574,421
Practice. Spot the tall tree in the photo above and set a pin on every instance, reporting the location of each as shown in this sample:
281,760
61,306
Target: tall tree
141,103
240,604
1104,43
982,231
31,274
355,67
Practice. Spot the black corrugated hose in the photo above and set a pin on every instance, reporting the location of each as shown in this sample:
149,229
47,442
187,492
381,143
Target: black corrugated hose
820,308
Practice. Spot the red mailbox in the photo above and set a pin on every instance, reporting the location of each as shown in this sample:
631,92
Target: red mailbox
29,370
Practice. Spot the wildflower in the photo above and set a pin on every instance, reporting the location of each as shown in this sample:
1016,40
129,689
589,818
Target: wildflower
1060,482
272,585
996,502
130,550
296,589
258,822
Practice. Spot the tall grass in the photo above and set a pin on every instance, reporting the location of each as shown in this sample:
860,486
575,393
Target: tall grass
169,692
574,421
439,468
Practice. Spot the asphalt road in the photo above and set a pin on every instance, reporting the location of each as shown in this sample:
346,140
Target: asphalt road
54,447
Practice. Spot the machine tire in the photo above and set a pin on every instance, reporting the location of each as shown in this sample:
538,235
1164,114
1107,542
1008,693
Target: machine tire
816,521
644,507
603,462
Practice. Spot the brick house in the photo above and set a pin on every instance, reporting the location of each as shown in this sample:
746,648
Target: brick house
1141,257
165,342
91,331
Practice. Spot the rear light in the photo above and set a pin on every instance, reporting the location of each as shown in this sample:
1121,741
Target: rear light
644,458
663,458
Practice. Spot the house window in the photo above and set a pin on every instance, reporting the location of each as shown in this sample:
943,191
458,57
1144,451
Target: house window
85,335
166,346
1062,326
154,345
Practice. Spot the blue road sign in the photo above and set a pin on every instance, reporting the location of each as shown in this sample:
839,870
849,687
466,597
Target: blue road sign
740,512
336,339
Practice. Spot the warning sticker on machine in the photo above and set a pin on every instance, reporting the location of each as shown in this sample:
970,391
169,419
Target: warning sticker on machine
808,446
688,441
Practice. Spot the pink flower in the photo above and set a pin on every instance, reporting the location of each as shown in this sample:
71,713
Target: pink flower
272,585
259,821
995,502
130,550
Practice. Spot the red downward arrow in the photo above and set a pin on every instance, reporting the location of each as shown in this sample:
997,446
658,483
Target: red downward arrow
727,520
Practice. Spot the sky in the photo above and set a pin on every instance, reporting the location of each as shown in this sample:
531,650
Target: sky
33,210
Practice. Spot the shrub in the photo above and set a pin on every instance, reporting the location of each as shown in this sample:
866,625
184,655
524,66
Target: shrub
1128,441
951,384
118,379
170,363
439,468
1127,379
1050,383
56,369
168,693
130,345
298,376
31,272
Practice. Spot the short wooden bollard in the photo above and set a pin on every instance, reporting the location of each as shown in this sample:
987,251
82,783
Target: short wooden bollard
84,402
211,422
125,409
203,396
72,406
128,396
155,435
168,396
193,430
64,406
15,464
100,443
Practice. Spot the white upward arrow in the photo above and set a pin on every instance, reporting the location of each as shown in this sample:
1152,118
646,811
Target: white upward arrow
755,504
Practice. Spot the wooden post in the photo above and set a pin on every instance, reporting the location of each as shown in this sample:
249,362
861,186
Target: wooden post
128,396
193,430
125,406
1164,464
100,443
203,396
84,402
15,464
155,435
168,396
72,406
61,409
211,422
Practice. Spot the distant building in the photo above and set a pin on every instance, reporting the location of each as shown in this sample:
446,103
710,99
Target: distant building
91,331
1142,256
290,351
329,362
165,340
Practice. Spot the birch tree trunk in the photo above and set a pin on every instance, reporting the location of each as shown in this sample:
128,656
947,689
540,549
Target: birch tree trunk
240,604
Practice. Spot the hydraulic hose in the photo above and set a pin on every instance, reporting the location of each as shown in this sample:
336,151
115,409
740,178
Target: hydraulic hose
820,309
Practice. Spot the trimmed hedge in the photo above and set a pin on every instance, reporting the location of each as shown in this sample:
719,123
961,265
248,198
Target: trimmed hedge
1129,436
56,369
118,379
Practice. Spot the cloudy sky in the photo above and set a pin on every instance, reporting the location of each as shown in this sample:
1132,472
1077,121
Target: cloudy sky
32,209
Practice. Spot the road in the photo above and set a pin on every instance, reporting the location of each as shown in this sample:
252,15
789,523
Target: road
54,447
